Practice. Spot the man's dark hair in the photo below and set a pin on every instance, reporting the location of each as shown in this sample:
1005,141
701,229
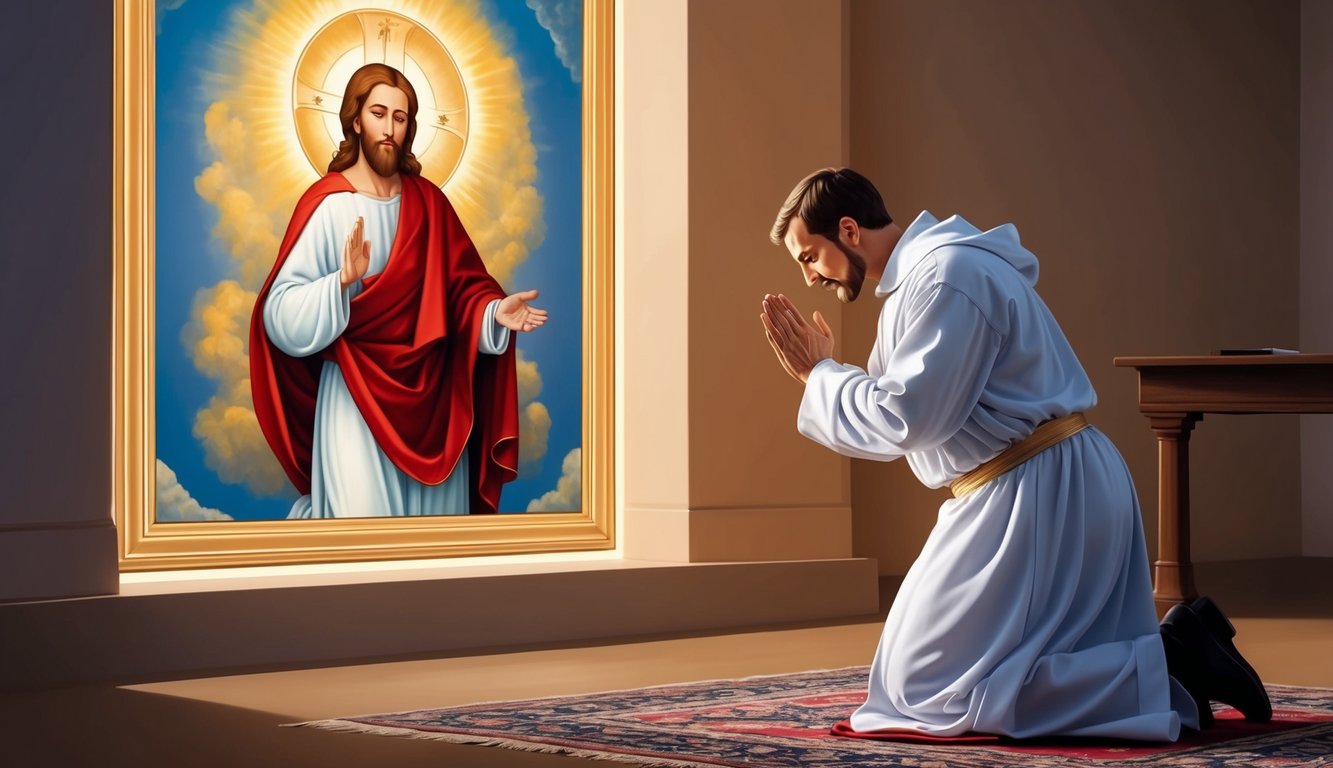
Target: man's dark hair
824,197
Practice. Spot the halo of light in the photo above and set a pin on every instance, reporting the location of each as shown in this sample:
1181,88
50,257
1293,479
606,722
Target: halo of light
268,47
353,39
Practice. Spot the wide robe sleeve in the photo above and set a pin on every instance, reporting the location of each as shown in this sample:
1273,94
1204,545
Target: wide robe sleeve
932,379
307,307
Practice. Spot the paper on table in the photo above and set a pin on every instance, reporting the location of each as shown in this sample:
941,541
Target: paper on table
1258,351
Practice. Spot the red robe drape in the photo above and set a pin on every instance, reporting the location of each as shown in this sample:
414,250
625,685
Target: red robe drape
409,355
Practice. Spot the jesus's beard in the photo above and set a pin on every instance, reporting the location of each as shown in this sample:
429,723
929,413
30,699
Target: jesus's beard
383,159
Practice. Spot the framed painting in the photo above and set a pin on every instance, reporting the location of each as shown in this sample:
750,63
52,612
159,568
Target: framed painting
230,117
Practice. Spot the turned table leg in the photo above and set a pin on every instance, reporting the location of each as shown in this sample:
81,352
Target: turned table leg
1173,573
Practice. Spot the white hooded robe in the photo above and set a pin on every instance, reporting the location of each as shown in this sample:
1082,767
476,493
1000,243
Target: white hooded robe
1029,611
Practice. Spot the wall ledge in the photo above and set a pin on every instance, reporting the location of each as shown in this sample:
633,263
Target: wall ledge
156,631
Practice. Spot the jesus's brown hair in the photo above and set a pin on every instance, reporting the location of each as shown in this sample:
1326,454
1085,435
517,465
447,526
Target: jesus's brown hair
362,82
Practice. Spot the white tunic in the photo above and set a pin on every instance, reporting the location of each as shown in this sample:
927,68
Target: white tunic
1029,611
307,309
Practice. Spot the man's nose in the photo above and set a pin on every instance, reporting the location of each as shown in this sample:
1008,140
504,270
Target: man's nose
809,274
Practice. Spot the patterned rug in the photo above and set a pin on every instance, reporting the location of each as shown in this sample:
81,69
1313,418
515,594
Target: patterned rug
786,720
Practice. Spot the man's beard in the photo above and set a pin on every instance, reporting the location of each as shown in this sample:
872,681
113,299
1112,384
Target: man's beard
383,159
856,274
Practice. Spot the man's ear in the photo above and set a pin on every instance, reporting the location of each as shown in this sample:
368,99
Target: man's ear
850,230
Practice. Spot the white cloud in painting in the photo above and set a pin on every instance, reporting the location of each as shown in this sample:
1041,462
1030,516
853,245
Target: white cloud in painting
175,504
564,20
162,7
568,489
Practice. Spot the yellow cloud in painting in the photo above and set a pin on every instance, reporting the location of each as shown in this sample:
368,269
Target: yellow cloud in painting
505,219
534,428
529,379
234,447
226,427
245,223
534,420
224,132
217,331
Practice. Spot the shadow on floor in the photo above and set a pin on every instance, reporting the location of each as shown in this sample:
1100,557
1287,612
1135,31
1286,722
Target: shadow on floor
111,728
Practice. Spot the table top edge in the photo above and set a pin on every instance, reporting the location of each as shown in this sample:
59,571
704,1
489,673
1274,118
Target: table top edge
1150,361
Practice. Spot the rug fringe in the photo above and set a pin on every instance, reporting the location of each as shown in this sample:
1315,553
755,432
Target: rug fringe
347,726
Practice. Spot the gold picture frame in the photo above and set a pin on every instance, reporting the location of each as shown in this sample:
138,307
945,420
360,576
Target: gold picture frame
146,544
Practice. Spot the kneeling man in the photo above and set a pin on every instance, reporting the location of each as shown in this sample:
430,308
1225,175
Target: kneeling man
1029,612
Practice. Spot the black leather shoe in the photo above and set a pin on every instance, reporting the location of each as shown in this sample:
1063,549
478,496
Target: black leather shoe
1214,619
1209,667
1206,719
1218,624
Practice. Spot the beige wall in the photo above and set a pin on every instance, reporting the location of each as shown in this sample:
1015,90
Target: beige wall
1147,152
761,493
1316,270
654,223
707,477
710,416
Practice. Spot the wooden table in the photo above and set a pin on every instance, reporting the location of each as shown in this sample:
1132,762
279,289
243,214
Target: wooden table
1174,393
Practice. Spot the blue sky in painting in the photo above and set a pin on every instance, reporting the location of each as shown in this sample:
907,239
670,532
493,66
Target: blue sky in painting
188,258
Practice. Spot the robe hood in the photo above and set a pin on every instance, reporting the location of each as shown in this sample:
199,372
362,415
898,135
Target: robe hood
927,234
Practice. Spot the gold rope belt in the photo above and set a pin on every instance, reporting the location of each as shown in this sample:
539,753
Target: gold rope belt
1044,436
